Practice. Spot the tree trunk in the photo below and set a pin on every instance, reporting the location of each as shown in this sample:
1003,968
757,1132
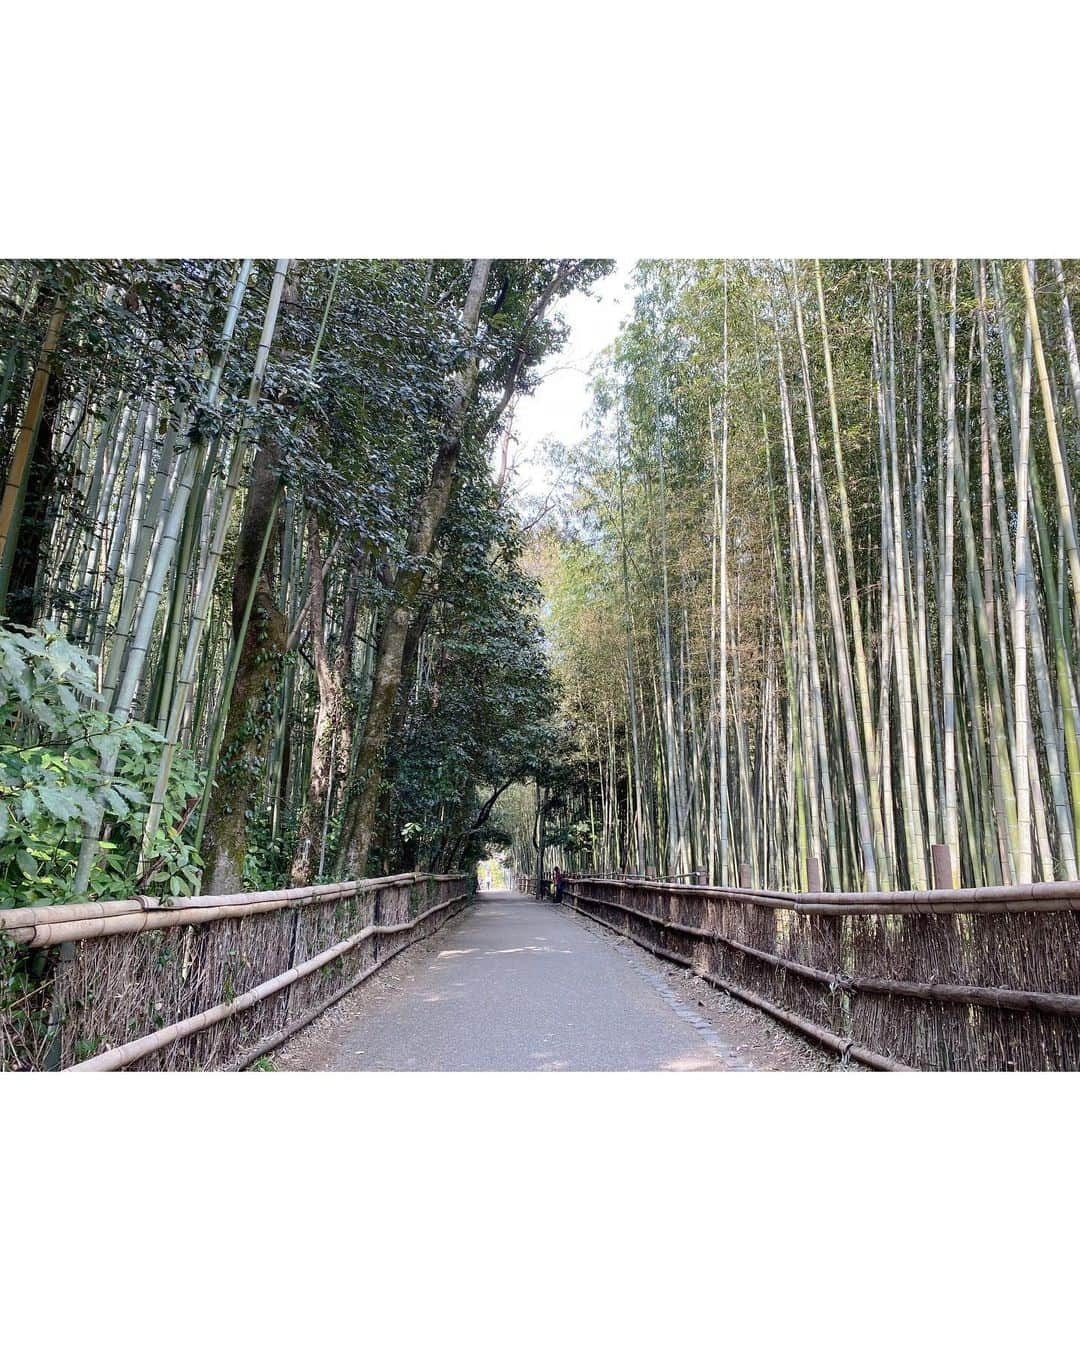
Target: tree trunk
330,676
251,721
358,823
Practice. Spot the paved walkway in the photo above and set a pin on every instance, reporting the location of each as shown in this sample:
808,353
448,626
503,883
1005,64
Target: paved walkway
518,984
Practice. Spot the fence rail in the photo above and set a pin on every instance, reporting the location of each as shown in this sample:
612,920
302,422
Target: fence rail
204,981
987,978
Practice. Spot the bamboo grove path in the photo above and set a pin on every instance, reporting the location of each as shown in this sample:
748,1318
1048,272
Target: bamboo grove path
517,984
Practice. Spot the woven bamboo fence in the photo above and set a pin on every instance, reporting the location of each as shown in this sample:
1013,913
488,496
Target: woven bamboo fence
985,978
202,982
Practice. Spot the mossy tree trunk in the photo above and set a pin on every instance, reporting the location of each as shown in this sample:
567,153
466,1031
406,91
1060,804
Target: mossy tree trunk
252,717
331,668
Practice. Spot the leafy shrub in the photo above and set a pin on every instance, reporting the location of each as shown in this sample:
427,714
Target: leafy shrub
54,732
267,860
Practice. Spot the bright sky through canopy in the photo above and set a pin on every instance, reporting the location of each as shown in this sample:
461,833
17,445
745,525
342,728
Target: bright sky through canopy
557,409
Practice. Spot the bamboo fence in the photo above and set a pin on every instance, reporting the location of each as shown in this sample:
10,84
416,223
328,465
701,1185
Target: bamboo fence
986,978
203,982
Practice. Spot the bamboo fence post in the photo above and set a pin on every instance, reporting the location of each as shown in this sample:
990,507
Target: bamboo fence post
943,872
813,875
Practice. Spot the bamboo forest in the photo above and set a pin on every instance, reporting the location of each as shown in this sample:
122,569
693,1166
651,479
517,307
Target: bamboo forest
273,613
796,610
815,592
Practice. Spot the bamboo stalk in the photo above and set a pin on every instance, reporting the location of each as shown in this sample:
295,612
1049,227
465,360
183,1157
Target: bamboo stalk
11,504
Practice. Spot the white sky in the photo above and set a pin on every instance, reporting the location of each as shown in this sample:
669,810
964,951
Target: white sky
559,405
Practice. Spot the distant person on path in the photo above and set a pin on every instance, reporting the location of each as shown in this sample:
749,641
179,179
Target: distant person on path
557,878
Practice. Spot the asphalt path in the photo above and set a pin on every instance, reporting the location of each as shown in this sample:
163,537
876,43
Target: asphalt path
517,984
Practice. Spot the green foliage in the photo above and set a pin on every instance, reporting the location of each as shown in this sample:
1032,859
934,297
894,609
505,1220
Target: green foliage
483,714
54,732
266,862
358,398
